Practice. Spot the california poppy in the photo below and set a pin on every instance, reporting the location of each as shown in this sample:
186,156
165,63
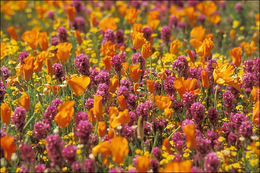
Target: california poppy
48,66
111,133
79,84
137,27
168,112
204,79
63,51
113,84
135,72
122,8
143,163
91,116
198,33
123,118
183,86
136,87
12,32
65,113
236,54
8,144
162,75
121,102
255,116
119,149
249,48
147,50
108,23
93,19
31,37
104,148
113,112
131,15
43,40
215,19
174,47
138,40
191,14
101,128
254,148
77,34
108,49
166,144
98,106
24,101
207,7
163,102
150,85
189,131
254,94
71,12
5,113
125,66
27,67
40,59
182,166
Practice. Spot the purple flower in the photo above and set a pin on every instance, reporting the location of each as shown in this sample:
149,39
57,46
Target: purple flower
39,131
173,21
178,140
40,168
89,103
181,66
213,115
237,119
2,91
103,90
23,169
5,72
50,113
125,82
185,123
79,23
157,152
233,139
54,41
211,162
116,63
147,32
89,165
123,90
27,153
22,56
69,153
79,6
144,109
132,100
93,72
228,100
83,130
248,66
127,132
76,166
103,77
194,73
188,99
62,34
18,118
58,71
116,170
50,14
154,165
54,148
133,118
81,63
80,116
181,25
246,129
166,34
203,145
249,80
119,36
239,7
197,112
168,85
135,57
109,36
56,102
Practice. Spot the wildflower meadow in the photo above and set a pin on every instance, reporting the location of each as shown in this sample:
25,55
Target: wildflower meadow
129,86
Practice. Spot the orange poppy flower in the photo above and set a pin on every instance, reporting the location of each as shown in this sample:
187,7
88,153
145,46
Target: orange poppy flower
47,87
203,48
174,47
215,19
71,12
8,144
98,106
137,27
236,54
138,39
104,148
63,51
183,166
198,33
77,34
40,11
113,84
166,144
12,32
147,50
168,113
21,5
5,113
65,114
232,33
108,49
131,15
101,128
43,40
125,66
122,8
79,84
190,55
113,112
24,101
136,86
183,86
121,102
204,79
162,75
150,85
207,7
249,47
108,23
143,163
107,62
40,59
254,148
255,97
28,67
119,149
163,102
222,75
93,19
91,116
189,131
123,118
31,37
191,14
111,133
135,72
49,66
153,23
255,112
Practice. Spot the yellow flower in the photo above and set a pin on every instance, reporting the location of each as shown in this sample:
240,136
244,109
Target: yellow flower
2,170
254,162
64,169
29,132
